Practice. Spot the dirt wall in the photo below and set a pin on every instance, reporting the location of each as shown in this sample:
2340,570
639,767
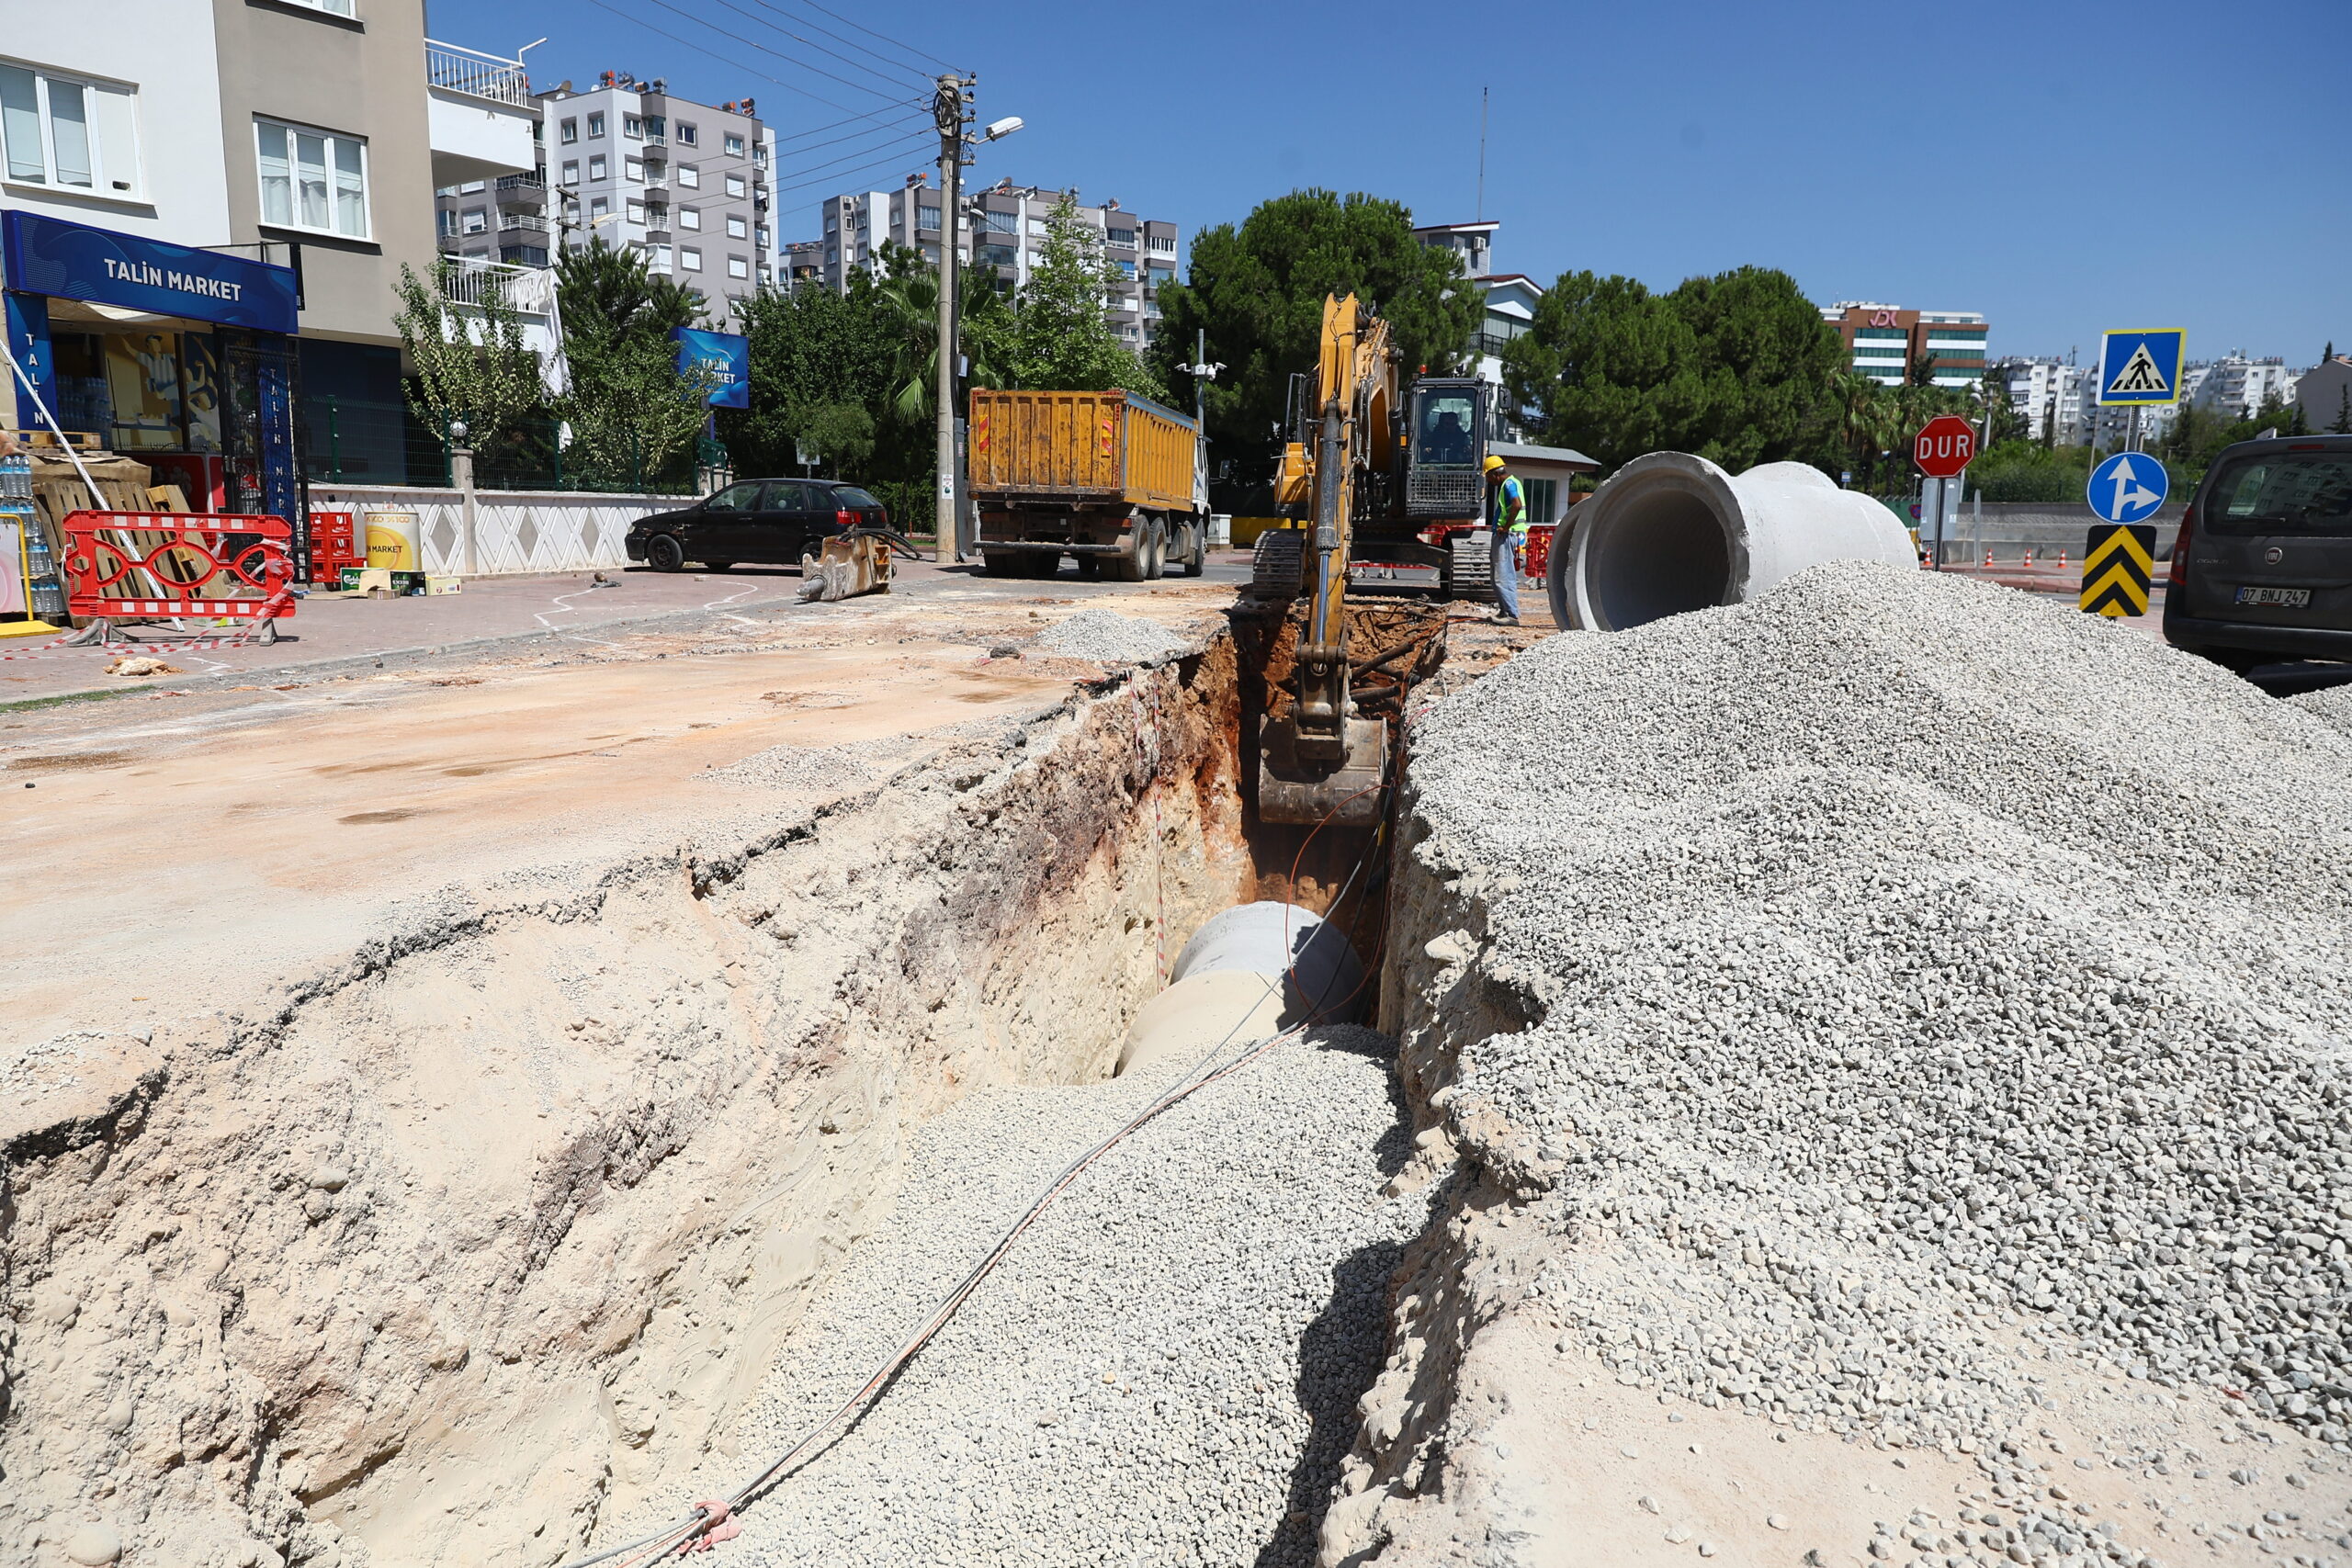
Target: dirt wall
443,1251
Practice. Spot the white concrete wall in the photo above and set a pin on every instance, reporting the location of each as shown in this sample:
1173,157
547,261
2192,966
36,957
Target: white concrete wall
514,531
166,49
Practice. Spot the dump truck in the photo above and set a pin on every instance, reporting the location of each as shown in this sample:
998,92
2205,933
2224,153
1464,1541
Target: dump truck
1113,479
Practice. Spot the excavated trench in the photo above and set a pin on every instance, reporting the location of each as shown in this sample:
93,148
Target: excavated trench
467,1245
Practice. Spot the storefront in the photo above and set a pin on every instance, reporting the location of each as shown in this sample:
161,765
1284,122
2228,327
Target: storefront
179,357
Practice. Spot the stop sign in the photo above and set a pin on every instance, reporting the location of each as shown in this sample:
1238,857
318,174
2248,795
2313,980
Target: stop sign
1944,445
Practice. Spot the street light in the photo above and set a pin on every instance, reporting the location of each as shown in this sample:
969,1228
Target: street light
999,129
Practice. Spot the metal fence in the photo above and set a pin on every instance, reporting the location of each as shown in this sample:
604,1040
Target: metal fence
477,74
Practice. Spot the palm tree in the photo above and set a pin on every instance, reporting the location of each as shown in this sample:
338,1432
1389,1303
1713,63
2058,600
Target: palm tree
909,299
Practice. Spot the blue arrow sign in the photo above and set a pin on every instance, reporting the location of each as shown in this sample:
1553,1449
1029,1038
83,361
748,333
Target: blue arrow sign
2128,487
2141,367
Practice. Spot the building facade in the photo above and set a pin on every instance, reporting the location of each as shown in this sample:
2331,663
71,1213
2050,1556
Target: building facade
2054,399
1000,234
686,182
2236,385
1511,300
246,181
2324,394
1883,341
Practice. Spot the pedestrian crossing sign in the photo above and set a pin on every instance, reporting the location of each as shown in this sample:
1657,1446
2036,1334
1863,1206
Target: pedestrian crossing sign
2141,367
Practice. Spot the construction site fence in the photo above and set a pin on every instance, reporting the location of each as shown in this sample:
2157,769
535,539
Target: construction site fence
513,531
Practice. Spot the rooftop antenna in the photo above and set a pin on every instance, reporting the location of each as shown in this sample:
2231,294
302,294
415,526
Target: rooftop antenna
1482,155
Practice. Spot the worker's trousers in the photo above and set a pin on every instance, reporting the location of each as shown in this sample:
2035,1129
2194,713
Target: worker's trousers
1506,572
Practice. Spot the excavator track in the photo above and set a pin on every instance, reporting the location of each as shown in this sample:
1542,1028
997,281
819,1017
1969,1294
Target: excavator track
1278,566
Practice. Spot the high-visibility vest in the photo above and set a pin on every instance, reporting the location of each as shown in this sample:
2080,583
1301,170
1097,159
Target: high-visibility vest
1510,505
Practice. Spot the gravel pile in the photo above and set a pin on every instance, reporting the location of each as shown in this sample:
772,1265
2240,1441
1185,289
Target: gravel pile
1164,1370
1924,969
1108,637
2332,707
804,770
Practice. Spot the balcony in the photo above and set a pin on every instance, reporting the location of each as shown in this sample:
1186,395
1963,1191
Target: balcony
526,222
479,116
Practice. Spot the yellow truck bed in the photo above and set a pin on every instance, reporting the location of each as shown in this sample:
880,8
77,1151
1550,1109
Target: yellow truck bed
1082,448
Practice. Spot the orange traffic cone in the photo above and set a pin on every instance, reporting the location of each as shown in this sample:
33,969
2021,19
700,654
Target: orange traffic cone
2062,561
2028,556
1988,556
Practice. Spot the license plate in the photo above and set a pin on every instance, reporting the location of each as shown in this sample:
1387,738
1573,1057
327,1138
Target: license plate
2285,598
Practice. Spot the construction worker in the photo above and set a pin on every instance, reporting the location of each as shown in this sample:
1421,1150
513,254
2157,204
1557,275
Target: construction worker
1507,515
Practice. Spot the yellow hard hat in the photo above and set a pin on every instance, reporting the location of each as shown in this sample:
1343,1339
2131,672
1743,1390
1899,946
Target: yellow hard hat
1493,463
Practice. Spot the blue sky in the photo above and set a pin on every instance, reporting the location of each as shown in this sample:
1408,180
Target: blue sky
2063,168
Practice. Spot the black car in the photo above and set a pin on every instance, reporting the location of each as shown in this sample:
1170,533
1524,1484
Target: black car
2263,568
753,519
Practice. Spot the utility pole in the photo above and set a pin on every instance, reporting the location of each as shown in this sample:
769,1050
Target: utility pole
949,109
1482,155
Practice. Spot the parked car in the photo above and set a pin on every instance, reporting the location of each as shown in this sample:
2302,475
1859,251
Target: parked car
2263,568
752,520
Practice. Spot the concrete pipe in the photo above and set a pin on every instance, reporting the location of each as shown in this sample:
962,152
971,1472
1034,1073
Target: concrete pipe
1246,974
1671,532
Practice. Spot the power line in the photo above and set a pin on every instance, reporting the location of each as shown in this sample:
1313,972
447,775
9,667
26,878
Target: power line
886,38
886,60
845,174
837,140
872,150
754,43
724,60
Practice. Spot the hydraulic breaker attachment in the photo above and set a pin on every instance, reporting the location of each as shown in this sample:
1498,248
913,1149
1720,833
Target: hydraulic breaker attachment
851,563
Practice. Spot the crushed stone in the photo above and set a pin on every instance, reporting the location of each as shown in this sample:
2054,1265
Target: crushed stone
2331,706
1164,1370
1106,637
810,770
1922,971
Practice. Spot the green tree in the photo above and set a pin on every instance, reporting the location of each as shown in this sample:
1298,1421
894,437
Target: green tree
841,434
2343,426
631,410
1256,289
468,360
811,348
1059,336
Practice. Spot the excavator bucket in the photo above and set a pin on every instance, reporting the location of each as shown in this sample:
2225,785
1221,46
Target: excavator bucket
849,565
1347,793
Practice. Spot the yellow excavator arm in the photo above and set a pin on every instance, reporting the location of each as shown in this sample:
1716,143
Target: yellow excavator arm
1318,762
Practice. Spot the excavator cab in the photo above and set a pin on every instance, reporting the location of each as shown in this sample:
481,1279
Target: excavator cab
1448,448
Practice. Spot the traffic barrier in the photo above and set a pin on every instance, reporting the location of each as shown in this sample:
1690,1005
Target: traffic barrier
1672,532
170,564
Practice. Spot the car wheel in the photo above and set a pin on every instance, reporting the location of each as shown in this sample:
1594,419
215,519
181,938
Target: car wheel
663,553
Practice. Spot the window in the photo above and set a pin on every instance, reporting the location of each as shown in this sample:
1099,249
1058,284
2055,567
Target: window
449,221
1037,226
685,133
736,228
331,8
734,145
525,255
994,222
595,125
477,219
740,266
1163,243
599,207
759,237
658,257
632,128
690,218
759,156
735,186
568,130
688,174
597,168
634,211
1120,236
633,169
690,258
78,134
310,179
571,171
1126,268
926,217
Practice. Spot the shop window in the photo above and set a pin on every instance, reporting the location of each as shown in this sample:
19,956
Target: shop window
75,133
689,218
568,130
690,258
311,179
736,228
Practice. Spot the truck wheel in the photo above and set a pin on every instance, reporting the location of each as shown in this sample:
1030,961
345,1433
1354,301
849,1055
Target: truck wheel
1278,566
1196,554
1158,565
1040,565
1089,568
1001,563
1136,565
1470,568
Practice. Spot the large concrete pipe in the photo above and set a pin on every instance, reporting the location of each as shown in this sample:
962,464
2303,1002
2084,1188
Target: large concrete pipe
1670,532
1250,972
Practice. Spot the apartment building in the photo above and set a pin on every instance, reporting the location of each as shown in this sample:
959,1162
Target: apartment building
686,182
1882,340
209,203
2235,386
999,235
2052,396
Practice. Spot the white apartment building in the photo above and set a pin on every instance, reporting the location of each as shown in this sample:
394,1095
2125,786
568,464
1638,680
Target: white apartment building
2051,395
685,182
2234,386
1002,232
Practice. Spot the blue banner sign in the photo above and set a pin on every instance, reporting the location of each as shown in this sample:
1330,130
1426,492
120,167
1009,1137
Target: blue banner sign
74,261
726,356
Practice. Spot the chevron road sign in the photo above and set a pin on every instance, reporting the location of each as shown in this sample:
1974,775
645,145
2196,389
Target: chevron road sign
2118,565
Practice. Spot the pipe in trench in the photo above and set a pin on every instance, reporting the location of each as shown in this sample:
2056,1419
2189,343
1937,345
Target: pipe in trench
1671,532
1249,973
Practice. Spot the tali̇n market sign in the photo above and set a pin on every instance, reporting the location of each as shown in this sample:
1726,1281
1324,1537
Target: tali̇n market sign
74,261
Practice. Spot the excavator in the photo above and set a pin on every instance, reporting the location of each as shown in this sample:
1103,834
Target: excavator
1368,478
